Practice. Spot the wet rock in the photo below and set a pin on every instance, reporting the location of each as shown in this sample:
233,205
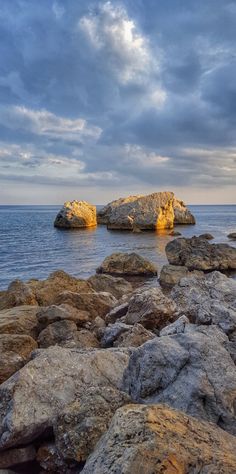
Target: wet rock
130,264
206,236
171,274
20,320
155,439
208,300
76,214
18,293
198,254
56,377
17,456
15,352
232,236
116,286
63,312
175,233
96,304
190,371
151,308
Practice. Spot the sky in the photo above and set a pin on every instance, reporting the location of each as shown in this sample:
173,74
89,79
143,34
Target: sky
102,99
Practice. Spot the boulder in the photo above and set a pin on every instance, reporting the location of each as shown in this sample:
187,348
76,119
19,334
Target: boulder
80,426
175,233
96,304
171,274
117,312
86,339
175,328
76,214
109,334
129,264
134,337
155,211
190,371
116,286
206,236
56,377
208,300
20,320
63,312
198,254
232,236
18,293
17,456
151,308
155,439
15,351
60,333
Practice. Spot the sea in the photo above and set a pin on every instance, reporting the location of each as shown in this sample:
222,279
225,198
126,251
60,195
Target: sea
30,246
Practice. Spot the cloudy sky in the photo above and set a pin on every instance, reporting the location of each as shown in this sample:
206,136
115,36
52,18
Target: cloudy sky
100,99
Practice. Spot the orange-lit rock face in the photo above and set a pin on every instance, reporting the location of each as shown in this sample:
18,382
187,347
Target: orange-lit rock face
77,214
166,217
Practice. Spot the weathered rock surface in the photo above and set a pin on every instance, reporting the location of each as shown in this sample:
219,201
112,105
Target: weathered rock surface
171,274
190,371
51,460
60,333
86,339
96,304
175,328
198,254
151,308
15,351
63,312
76,214
18,293
232,236
155,439
134,337
78,429
130,264
36,394
117,312
17,456
20,320
116,286
155,211
208,300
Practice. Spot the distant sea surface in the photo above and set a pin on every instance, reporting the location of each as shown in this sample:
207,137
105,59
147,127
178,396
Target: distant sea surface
30,247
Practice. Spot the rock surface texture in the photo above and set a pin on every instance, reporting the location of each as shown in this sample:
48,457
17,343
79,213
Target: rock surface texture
158,440
171,274
76,214
198,254
129,264
155,211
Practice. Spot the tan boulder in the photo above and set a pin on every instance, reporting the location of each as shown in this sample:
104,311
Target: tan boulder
171,274
18,293
59,333
116,286
156,439
63,312
15,351
20,320
78,214
96,304
129,264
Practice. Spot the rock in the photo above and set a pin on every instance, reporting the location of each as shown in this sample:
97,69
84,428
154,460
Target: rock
155,211
63,312
208,300
175,328
17,456
51,460
116,286
117,312
15,351
56,377
155,439
134,337
197,254
78,214
110,333
190,371
206,236
129,264
175,233
151,308
78,429
232,236
20,320
61,333
96,304
171,274
18,293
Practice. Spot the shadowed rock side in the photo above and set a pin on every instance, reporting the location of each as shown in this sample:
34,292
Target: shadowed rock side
155,211
76,214
155,439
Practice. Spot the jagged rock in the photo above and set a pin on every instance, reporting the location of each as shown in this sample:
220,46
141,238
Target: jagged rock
96,304
15,351
171,274
63,312
20,320
232,236
60,333
155,211
117,312
208,300
77,214
175,328
116,286
155,439
110,333
86,339
151,308
190,371
130,264
134,337
198,254
17,456
78,429
18,293
56,377
206,236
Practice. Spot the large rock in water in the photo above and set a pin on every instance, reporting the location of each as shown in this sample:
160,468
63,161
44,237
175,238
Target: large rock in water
76,214
155,211
155,439
198,254
129,264
191,371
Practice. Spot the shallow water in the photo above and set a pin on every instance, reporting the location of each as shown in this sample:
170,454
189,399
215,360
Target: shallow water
30,247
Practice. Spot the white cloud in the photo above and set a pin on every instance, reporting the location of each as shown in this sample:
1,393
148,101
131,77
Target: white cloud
142,157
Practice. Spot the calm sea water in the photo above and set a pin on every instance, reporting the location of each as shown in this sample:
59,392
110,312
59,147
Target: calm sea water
30,247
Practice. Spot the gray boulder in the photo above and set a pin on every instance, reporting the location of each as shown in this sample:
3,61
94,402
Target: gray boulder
171,274
116,286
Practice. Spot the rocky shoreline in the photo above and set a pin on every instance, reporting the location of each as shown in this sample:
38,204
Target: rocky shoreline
110,375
